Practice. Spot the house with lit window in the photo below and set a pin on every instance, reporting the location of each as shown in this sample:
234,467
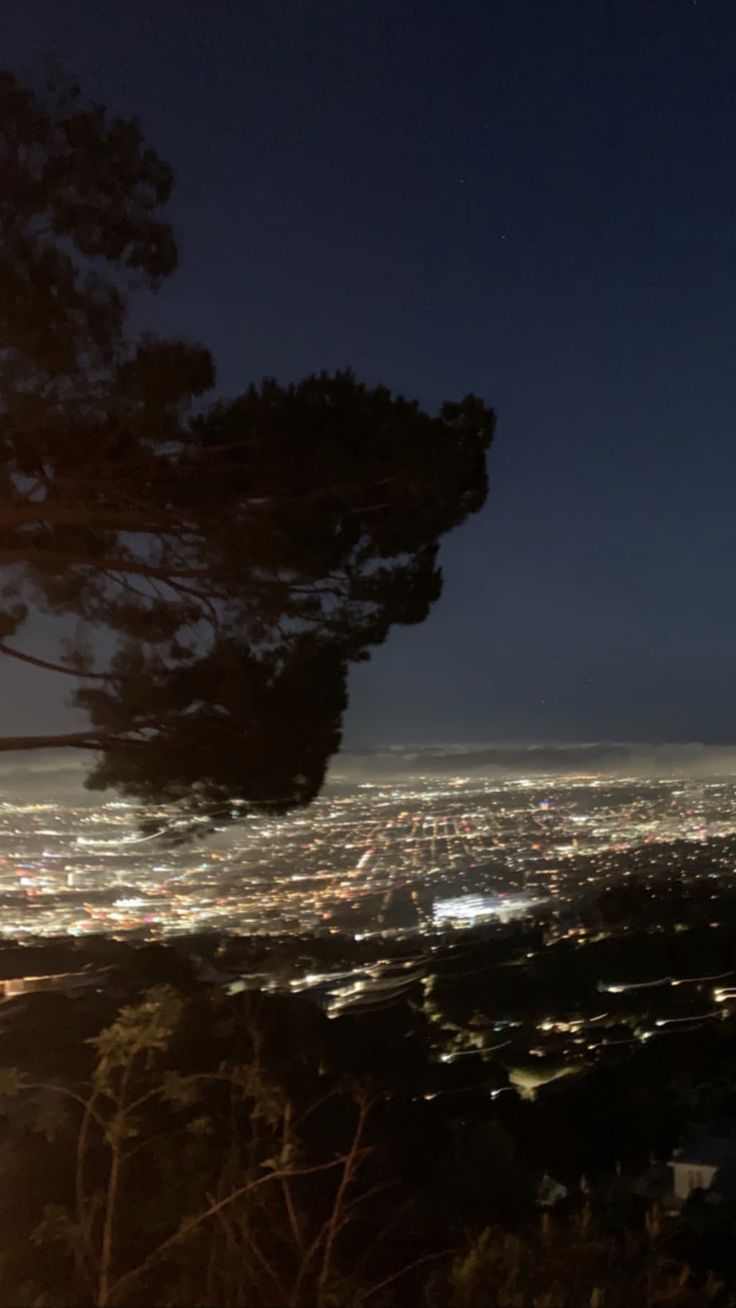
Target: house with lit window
694,1167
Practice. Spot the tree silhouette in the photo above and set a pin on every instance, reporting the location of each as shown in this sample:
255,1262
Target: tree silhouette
215,571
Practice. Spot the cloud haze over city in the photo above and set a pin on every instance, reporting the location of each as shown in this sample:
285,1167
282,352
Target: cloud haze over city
58,776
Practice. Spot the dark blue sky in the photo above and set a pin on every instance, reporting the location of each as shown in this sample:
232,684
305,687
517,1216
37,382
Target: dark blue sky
532,200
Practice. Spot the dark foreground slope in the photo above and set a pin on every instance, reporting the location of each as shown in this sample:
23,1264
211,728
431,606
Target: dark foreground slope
484,1120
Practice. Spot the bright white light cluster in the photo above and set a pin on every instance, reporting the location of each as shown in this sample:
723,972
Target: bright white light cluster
472,908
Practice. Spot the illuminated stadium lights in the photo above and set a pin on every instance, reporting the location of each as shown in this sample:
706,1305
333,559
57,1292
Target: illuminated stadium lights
473,908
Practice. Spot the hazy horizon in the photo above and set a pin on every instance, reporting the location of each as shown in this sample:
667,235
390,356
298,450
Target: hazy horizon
56,774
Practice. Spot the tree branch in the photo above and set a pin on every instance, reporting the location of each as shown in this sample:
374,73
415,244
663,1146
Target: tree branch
37,662
352,1158
85,514
419,1262
73,739
60,560
188,1227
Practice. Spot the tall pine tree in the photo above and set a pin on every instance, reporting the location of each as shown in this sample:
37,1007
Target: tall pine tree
231,562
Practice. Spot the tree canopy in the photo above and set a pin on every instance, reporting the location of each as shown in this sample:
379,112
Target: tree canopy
215,567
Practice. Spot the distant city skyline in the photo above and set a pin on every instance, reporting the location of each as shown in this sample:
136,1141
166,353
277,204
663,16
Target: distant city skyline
401,856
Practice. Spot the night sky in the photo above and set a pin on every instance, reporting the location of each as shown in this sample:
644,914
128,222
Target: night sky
534,201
